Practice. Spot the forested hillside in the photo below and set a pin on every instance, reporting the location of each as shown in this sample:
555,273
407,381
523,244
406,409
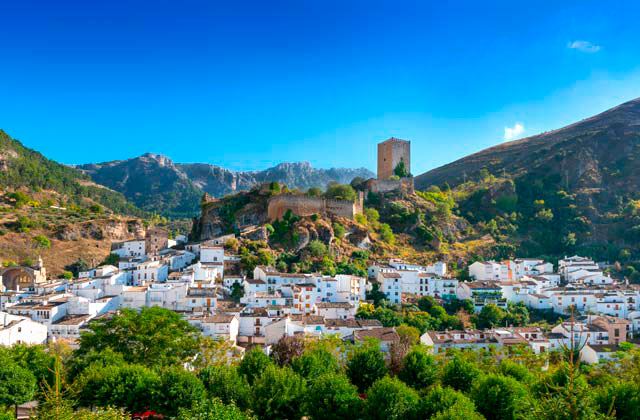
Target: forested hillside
571,190
21,167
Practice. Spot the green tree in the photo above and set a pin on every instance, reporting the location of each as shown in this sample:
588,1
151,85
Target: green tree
386,234
517,315
459,373
419,369
315,362
237,292
253,364
339,230
341,192
153,336
499,397
332,397
77,266
226,383
317,249
112,259
314,192
17,384
401,169
373,217
375,295
366,365
623,397
490,316
279,394
37,359
133,387
389,398
178,389
213,410
442,403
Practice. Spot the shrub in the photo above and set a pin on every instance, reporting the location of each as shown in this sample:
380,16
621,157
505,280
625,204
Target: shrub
41,241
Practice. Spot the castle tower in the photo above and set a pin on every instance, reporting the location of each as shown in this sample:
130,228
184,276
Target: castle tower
390,153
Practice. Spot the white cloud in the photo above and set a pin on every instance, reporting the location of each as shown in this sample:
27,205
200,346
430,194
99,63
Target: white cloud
514,132
584,46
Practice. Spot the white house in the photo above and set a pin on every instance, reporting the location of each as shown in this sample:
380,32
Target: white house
224,327
489,271
211,253
150,271
335,310
20,330
133,248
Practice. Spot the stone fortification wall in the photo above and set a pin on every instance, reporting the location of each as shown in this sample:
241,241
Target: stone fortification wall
306,206
391,185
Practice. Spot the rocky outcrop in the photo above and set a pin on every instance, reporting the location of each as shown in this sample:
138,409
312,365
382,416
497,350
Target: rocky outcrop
102,229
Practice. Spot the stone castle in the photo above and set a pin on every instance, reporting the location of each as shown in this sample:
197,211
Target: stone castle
303,205
391,153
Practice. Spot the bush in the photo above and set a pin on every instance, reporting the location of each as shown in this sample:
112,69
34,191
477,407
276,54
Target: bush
339,230
41,241
341,192
386,234
317,249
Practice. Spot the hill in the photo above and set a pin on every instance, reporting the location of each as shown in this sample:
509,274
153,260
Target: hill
155,183
23,168
583,154
569,190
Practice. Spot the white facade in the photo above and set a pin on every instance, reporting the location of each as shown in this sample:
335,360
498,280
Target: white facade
489,271
20,330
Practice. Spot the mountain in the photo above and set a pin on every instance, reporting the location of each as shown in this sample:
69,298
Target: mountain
583,153
155,183
23,168
575,189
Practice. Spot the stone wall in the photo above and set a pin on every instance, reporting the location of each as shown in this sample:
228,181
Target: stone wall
390,185
302,205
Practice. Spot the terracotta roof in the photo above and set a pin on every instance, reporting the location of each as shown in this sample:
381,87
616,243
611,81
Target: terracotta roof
218,319
337,305
308,319
382,334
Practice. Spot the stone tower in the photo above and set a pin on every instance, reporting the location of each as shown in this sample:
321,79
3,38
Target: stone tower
390,153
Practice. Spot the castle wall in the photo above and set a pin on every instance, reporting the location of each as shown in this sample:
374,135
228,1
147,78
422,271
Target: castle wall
307,206
389,185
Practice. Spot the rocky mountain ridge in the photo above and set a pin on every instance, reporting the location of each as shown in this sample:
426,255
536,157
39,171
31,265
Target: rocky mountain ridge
155,183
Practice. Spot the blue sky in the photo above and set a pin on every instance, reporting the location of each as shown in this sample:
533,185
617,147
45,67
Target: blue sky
249,84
